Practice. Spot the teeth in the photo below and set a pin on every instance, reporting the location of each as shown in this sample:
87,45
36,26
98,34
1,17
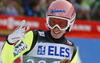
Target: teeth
56,32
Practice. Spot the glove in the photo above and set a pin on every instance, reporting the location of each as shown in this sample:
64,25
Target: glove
65,61
18,33
62,61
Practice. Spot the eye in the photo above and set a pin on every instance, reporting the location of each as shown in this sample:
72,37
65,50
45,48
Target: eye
53,22
63,24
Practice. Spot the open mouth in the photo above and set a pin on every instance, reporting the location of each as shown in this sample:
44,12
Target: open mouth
56,32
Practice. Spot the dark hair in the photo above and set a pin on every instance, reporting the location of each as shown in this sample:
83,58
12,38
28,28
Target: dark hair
33,3
79,1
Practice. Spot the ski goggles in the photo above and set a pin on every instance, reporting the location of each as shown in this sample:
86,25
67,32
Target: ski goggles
61,23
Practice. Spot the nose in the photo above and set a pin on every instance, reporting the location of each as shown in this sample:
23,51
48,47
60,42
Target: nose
56,28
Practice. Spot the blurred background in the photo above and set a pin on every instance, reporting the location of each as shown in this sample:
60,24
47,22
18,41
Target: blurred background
85,32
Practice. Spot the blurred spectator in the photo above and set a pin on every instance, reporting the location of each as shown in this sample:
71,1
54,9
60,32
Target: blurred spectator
45,7
33,8
95,7
86,9
10,7
18,7
19,2
1,4
42,3
96,16
82,9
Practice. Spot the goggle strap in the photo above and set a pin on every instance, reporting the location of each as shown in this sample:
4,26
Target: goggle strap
72,20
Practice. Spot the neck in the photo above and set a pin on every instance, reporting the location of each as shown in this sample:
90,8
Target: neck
61,39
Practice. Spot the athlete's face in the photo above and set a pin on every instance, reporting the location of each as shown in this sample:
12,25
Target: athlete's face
57,33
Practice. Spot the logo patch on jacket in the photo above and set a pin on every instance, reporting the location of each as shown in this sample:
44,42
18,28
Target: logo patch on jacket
41,33
69,43
19,48
41,50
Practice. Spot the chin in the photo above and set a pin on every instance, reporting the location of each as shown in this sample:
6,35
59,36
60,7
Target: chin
56,37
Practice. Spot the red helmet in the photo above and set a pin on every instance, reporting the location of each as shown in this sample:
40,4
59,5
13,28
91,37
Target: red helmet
61,9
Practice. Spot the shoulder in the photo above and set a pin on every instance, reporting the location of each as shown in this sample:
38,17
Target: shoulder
29,34
39,32
74,56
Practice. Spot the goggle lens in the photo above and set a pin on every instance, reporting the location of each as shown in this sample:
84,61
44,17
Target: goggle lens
62,23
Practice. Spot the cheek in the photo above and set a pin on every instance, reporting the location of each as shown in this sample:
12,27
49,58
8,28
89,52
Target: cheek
63,32
57,36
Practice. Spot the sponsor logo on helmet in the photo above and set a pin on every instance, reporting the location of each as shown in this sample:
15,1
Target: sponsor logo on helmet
55,11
